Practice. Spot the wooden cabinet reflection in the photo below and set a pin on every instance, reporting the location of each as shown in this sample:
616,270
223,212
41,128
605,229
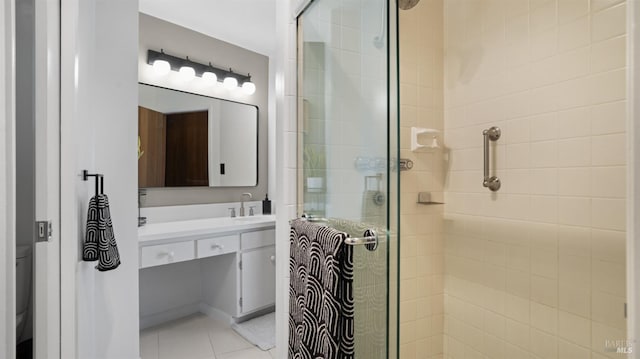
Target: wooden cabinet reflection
175,149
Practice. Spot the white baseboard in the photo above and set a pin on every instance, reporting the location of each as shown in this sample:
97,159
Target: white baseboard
255,314
215,313
168,315
222,316
180,312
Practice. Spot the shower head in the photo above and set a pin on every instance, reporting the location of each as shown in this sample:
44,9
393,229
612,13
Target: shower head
407,4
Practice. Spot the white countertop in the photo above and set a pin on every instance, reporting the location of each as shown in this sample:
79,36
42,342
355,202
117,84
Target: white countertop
196,227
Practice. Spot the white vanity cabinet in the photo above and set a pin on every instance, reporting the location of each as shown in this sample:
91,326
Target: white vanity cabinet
209,247
166,253
257,270
227,270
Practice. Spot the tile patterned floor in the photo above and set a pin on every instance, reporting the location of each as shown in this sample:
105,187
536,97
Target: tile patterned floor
197,337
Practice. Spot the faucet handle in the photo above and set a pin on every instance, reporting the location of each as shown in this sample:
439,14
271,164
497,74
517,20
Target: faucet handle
251,210
233,212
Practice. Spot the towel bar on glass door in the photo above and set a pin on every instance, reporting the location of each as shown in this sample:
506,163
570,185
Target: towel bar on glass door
371,241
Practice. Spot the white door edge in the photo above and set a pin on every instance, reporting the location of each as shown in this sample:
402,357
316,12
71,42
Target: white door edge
68,208
46,344
7,182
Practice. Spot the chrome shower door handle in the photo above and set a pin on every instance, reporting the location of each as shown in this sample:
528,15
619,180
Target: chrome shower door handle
491,182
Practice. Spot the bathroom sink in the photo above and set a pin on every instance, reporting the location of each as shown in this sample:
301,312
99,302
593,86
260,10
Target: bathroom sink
249,219
204,226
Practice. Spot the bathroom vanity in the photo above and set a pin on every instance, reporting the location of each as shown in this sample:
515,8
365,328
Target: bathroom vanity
194,254
235,258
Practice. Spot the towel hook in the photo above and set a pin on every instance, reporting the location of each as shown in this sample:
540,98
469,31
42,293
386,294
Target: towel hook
99,180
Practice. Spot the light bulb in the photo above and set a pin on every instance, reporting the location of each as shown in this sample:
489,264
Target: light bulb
161,67
230,82
187,73
210,77
249,87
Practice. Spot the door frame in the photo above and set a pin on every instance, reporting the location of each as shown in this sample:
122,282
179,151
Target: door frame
69,257
7,182
47,70
46,267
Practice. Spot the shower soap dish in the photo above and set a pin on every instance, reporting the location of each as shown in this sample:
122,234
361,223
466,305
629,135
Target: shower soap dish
425,198
419,132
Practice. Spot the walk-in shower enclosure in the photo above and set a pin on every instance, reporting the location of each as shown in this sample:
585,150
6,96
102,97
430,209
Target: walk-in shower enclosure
348,148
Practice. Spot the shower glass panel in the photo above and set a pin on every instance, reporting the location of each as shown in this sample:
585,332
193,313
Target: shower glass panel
348,148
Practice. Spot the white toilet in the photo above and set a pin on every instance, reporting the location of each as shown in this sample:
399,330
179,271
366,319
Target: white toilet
23,287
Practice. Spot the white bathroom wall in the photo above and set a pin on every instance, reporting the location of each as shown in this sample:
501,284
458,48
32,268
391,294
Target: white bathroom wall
99,133
633,172
421,37
7,184
537,269
169,292
286,165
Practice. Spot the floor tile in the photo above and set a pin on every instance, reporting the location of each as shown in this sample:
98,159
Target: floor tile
192,323
227,341
149,344
213,325
191,344
252,353
197,337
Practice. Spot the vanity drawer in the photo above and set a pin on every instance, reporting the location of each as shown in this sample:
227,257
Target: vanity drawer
166,253
258,239
218,245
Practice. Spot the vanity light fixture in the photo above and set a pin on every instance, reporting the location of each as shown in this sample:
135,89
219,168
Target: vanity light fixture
163,63
230,82
249,87
187,73
210,77
161,67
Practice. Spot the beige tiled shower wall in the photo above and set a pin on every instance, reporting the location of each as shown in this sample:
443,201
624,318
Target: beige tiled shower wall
536,270
421,248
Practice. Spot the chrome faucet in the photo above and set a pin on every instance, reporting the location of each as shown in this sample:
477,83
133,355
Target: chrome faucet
141,220
247,194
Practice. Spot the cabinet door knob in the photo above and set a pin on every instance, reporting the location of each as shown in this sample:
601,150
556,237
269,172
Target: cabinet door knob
218,246
273,258
168,254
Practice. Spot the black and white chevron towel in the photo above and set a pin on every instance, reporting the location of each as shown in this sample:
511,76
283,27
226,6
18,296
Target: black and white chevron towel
100,242
321,306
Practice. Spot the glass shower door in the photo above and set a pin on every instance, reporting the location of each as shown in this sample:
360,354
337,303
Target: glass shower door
348,149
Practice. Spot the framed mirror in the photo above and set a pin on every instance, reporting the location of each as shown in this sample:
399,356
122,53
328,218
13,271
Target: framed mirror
190,140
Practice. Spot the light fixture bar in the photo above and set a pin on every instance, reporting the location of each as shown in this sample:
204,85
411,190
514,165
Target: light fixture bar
177,62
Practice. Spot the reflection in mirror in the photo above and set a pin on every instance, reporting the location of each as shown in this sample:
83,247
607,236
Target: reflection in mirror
188,140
